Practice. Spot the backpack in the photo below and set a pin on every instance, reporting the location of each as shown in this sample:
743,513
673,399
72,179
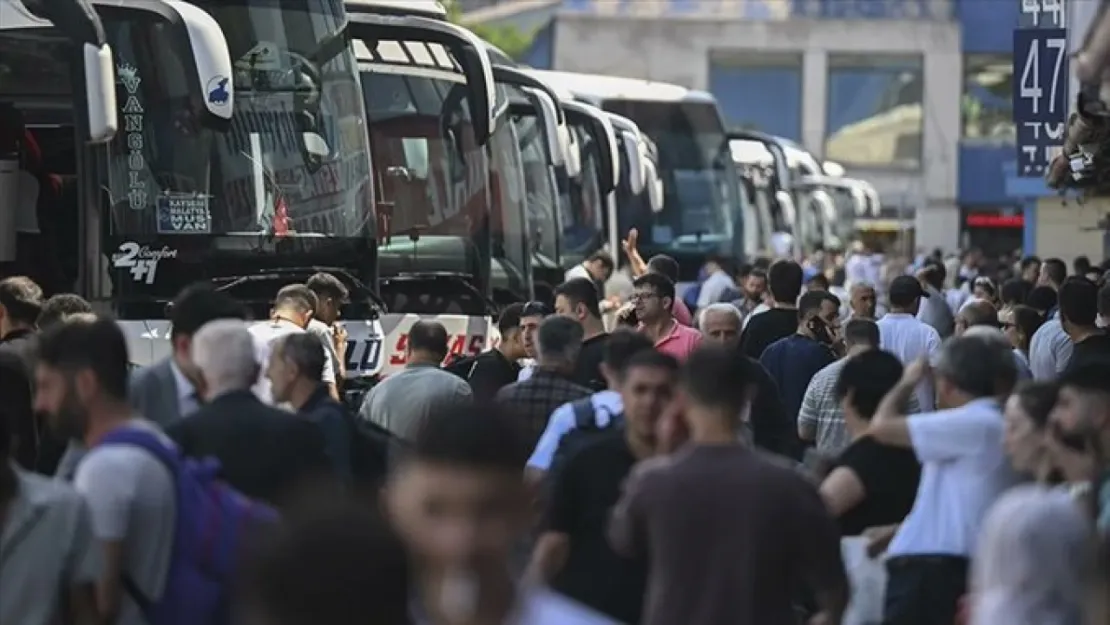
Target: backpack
212,522
586,430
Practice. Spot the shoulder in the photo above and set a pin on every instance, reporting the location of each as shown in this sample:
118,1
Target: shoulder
827,375
545,607
51,492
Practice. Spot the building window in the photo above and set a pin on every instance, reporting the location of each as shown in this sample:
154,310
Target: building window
874,111
986,107
778,81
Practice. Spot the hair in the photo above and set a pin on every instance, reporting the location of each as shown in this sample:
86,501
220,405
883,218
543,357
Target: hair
1090,376
1027,321
1081,265
1041,298
559,338
535,309
660,284
1015,291
1028,262
811,302
509,319
98,346
429,336
297,297
324,284
717,377
762,263
603,257
1104,300
868,376
934,275
820,280
979,365
861,332
581,291
784,278
472,436
621,346
1037,399
987,284
744,270
663,265
1055,269
199,304
306,351
651,359
22,298
980,313
58,307
223,350
1079,301
720,307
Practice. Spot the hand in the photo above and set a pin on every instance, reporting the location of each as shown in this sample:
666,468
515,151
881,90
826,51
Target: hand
917,371
670,429
821,618
339,339
878,538
629,244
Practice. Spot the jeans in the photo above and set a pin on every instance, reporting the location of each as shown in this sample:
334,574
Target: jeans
924,589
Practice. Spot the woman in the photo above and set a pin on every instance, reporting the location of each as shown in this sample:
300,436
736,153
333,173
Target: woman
984,289
1020,323
1026,418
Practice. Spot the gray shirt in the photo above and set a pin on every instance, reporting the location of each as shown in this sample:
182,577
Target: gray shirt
935,312
327,337
403,400
1049,350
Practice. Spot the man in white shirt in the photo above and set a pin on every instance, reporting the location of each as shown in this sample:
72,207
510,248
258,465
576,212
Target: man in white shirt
717,283
904,335
292,311
597,268
964,469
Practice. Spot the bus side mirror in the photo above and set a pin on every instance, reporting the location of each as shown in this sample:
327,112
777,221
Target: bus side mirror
100,85
654,186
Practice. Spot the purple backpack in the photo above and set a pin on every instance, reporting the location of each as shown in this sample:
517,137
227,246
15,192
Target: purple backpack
211,523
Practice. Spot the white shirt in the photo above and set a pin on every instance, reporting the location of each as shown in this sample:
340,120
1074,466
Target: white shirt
265,333
577,271
606,405
963,470
540,606
1049,350
909,339
187,402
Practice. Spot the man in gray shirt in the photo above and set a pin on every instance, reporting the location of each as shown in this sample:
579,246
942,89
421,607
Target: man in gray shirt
403,400
934,309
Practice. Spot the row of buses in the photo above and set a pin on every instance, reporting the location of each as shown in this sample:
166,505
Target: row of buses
148,144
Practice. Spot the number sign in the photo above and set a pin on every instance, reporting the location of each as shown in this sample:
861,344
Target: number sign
1040,96
1042,14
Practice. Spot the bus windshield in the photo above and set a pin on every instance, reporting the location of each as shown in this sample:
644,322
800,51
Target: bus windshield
583,217
510,242
702,201
539,184
294,160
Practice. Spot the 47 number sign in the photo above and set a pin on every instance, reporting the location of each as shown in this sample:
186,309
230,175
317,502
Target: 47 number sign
1040,96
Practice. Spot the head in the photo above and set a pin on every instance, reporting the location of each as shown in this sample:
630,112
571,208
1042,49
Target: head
622,345
531,316
975,366
81,376
1019,323
718,386
331,295
755,285
458,499
864,381
1027,412
508,324
1030,269
295,303
972,257
665,266
1078,306
196,306
58,307
1053,273
654,296
985,289
980,313
720,323
646,389
558,342
817,282
933,275
1082,410
1103,320
20,304
223,353
296,366
715,263
817,310
905,295
1015,291
861,335
578,299
599,265
427,344
1081,265
785,281
863,301
1041,299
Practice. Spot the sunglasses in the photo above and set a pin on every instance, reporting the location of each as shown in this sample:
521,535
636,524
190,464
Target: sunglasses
535,309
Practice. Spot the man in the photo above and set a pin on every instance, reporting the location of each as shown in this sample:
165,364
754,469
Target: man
81,388
717,282
785,282
402,401
934,310
20,304
597,268
753,288
976,313
264,452
577,299
1030,269
1079,318
904,335
964,468
794,360
1080,425
1103,320
666,266
1053,273
496,368
531,317
331,295
862,301
60,307
1050,348
458,501
292,311
697,515
165,391
296,374
572,553
558,342
653,297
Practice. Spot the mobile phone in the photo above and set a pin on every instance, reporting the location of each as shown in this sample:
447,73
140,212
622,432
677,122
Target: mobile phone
820,330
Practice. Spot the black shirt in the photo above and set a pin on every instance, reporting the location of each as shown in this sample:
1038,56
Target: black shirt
587,371
766,328
491,371
1094,348
889,476
584,492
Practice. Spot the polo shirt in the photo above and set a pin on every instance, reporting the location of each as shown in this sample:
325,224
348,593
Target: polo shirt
909,339
1049,350
679,342
793,361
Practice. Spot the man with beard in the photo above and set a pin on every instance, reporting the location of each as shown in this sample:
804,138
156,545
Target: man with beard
81,386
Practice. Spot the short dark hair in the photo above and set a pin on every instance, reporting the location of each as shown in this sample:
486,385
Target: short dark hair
305,350
98,346
868,376
981,313
22,298
717,377
478,435
664,265
811,302
60,306
1037,399
581,291
1081,265
1029,261
661,285
1041,298
621,346
820,280
324,284
428,336
602,257
652,359
1055,269
199,304
535,309
1079,301
934,274
744,270
296,296
861,332
509,319
1104,300
758,273
784,278
1015,291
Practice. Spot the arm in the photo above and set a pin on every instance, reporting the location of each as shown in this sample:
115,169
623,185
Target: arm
811,408
561,422
337,441
842,490
628,523
329,370
551,549
772,428
817,537
82,569
889,426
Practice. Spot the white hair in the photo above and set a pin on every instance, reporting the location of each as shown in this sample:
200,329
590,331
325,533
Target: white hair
723,308
223,351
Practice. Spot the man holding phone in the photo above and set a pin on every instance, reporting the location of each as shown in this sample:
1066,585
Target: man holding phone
794,360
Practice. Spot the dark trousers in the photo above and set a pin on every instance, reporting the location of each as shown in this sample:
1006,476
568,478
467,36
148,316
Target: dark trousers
924,590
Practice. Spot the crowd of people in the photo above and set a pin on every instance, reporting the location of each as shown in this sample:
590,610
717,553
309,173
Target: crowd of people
712,459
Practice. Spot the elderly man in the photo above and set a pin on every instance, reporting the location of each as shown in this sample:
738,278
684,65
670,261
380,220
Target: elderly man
980,313
720,323
862,301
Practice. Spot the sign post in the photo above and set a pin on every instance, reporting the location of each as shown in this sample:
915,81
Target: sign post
1040,85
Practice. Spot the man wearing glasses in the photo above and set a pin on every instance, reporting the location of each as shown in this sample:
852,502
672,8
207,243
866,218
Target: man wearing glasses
653,299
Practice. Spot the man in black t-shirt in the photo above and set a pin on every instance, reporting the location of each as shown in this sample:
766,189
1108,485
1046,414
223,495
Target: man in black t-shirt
496,368
578,300
785,281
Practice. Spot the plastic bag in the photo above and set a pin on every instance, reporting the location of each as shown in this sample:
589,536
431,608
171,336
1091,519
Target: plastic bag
868,578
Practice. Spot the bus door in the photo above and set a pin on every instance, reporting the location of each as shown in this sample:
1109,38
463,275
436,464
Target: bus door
591,223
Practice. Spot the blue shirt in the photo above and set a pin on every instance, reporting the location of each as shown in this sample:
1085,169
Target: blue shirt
793,361
331,417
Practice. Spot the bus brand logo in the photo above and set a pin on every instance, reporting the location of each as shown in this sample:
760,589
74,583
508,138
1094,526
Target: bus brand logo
217,91
141,261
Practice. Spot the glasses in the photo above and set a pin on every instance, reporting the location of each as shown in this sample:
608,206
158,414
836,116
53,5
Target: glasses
639,297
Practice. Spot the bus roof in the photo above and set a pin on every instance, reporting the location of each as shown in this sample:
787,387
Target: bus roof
601,87
14,15
425,8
